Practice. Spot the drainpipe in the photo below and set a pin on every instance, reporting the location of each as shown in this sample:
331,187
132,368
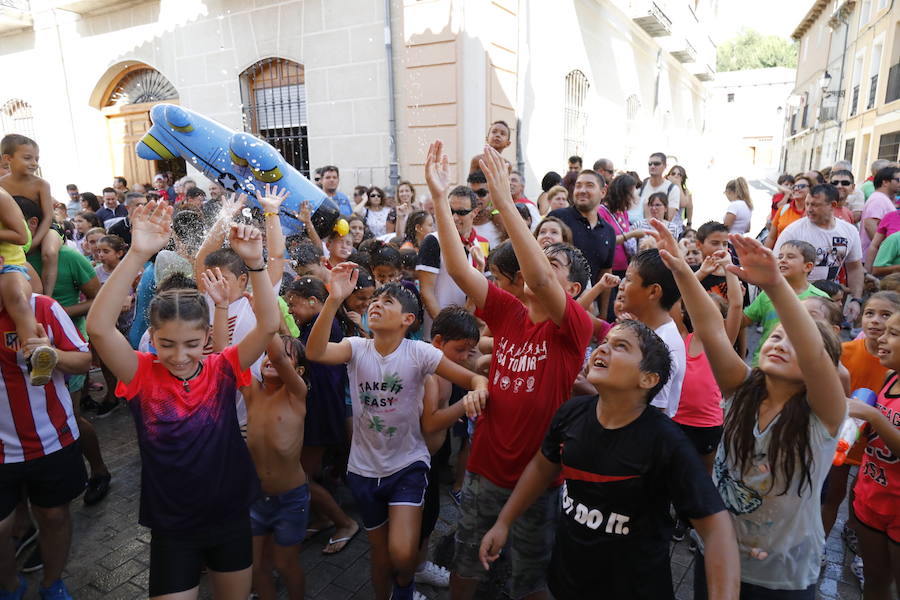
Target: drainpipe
840,105
394,176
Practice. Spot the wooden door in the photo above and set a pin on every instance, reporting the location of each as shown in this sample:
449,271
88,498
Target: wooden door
125,131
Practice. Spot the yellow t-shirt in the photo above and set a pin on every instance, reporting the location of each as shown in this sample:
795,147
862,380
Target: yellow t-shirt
13,254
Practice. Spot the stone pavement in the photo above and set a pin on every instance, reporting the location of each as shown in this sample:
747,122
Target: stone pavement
110,551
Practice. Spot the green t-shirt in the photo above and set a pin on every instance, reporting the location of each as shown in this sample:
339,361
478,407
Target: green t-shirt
762,311
74,271
288,318
889,251
867,188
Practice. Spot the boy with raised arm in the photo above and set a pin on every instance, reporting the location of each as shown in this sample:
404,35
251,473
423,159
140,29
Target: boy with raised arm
389,459
526,386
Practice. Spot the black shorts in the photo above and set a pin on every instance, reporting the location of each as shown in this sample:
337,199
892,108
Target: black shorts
176,560
704,439
49,481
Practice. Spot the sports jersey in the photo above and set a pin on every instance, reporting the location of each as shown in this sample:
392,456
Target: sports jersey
196,471
531,375
615,527
35,421
878,483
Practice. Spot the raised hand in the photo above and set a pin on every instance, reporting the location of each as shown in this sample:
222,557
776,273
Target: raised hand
271,200
246,241
758,263
215,285
669,250
343,280
151,228
231,207
708,265
608,281
305,213
437,171
496,172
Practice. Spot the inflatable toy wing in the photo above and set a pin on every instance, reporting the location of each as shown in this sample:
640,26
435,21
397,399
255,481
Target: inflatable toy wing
239,161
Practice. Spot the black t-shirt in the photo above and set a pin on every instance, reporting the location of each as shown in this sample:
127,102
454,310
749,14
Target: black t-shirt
597,243
615,527
122,229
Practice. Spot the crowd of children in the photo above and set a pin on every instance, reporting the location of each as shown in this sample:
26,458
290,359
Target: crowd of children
262,370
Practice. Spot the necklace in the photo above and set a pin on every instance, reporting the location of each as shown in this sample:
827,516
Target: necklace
185,380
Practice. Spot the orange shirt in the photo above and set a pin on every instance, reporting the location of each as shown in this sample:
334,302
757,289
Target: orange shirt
865,369
784,217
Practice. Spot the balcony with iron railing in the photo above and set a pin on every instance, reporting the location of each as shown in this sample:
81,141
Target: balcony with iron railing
650,15
15,15
893,84
873,86
828,113
854,101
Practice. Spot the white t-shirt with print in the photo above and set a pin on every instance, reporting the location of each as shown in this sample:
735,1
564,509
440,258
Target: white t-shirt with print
387,394
669,396
835,246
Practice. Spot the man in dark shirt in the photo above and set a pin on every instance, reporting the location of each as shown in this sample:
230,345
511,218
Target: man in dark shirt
111,208
123,227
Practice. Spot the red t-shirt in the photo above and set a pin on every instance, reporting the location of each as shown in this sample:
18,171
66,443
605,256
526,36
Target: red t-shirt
701,400
526,385
878,483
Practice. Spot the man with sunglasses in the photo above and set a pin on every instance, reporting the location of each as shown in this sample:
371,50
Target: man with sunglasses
843,181
658,183
437,288
484,218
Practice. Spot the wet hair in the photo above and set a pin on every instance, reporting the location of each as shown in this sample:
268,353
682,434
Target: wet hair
381,254
455,323
789,445
807,250
364,280
462,191
503,258
309,287
409,300
652,270
826,189
565,229
226,259
831,308
13,141
579,269
188,228
661,196
892,298
179,305
176,281
741,190
114,242
709,228
619,194
91,217
306,253
415,219
91,199
550,179
885,174
295,350
655,356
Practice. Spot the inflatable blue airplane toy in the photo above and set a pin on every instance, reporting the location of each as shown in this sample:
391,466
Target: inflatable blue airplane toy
239,161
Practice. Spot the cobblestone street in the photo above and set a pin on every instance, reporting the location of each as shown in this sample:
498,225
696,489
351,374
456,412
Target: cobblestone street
111,553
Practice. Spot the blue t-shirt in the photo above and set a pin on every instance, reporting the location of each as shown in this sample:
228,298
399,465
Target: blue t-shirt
146,289
343,203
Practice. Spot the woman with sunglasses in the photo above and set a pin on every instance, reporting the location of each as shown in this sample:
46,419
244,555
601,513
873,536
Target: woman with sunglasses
792,211
678,176
374,211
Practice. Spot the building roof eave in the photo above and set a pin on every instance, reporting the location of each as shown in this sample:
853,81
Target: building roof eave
810,18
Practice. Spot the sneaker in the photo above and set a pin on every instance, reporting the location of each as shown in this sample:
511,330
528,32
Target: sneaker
856,567
434,575
106,408
34,562
56,591
42,361
419,596
97,489
456,496
679,532
16,594
849,537
26,540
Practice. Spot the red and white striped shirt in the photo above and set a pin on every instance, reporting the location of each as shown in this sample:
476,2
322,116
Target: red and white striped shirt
35,421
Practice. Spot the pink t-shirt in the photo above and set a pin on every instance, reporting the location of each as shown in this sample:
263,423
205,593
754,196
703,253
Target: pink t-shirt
620,224
889,224
700,404
877,206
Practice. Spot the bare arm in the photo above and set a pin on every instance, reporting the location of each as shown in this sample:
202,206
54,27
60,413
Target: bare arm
45,201
217,289
855,276
214,240
461,376
729,220
871,226
292,380
720,555
437,174
426,288
604,284
735,318
271,202
68,361
318,348
872,250
14,231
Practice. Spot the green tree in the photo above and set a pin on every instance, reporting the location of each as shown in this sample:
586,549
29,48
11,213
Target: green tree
752,50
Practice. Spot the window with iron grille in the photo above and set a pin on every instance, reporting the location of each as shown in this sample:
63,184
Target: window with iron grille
849,147
16,117
793,123
855,102
273,98
889,146
873,84
575,123
805,118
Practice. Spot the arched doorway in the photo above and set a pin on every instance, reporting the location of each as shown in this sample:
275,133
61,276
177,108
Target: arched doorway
126,103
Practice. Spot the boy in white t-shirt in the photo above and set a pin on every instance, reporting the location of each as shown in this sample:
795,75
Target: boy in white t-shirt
648,292
389,460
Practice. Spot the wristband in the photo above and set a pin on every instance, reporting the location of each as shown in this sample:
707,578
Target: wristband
270,214
259,270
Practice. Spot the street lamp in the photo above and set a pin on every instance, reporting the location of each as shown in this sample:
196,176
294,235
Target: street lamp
825,82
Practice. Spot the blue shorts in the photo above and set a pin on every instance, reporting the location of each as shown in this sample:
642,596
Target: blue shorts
15,269
284,516
374,495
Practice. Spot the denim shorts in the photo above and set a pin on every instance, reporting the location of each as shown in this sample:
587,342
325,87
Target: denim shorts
22,270
284,516
374,495
531,538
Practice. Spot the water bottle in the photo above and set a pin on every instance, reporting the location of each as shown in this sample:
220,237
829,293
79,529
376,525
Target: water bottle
852,427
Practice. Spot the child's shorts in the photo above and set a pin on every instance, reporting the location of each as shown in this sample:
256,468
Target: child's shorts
284,516
882,523
22,270
374,495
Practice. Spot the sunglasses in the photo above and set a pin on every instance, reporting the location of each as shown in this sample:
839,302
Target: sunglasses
654,164
842,182
374,195
481,193
461,212
800,186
